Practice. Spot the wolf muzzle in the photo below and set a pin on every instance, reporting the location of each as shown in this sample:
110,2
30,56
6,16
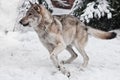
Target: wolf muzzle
21,22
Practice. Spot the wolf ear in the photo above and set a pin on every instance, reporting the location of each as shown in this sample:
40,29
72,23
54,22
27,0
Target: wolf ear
37,8
42,9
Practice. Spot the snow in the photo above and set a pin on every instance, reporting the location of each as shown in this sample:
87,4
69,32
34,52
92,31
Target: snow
22,56
8,14
58,11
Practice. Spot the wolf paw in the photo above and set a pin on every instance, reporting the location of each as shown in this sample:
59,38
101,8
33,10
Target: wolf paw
82,68
64,71
64,62
68,74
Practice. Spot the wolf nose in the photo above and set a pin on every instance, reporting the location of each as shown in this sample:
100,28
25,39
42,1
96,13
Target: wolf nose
20,21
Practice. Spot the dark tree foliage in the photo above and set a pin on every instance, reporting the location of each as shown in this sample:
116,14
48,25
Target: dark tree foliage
40,1
103,23
46,5
79,11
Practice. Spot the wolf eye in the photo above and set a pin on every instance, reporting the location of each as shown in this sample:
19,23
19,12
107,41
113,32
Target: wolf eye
36,8
30,13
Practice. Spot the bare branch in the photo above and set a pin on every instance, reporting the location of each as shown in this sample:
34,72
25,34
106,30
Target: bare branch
64,3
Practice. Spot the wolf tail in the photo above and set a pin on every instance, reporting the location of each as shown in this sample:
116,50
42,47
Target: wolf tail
101,34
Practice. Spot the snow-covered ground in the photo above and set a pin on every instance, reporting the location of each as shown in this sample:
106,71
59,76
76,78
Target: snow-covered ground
22,56
8,14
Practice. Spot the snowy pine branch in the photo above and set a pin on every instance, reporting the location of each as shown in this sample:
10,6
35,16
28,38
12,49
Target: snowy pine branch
97,10
77,4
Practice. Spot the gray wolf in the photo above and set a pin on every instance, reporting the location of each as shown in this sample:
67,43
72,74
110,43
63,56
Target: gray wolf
58,33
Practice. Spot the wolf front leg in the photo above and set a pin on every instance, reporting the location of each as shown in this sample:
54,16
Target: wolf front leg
59,48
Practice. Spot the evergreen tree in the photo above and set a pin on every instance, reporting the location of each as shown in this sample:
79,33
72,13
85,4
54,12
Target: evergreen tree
106,19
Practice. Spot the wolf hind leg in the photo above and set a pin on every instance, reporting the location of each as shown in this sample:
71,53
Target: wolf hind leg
83,54
73,55
80,43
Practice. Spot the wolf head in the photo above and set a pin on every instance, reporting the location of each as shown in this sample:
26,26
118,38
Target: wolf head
34,15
